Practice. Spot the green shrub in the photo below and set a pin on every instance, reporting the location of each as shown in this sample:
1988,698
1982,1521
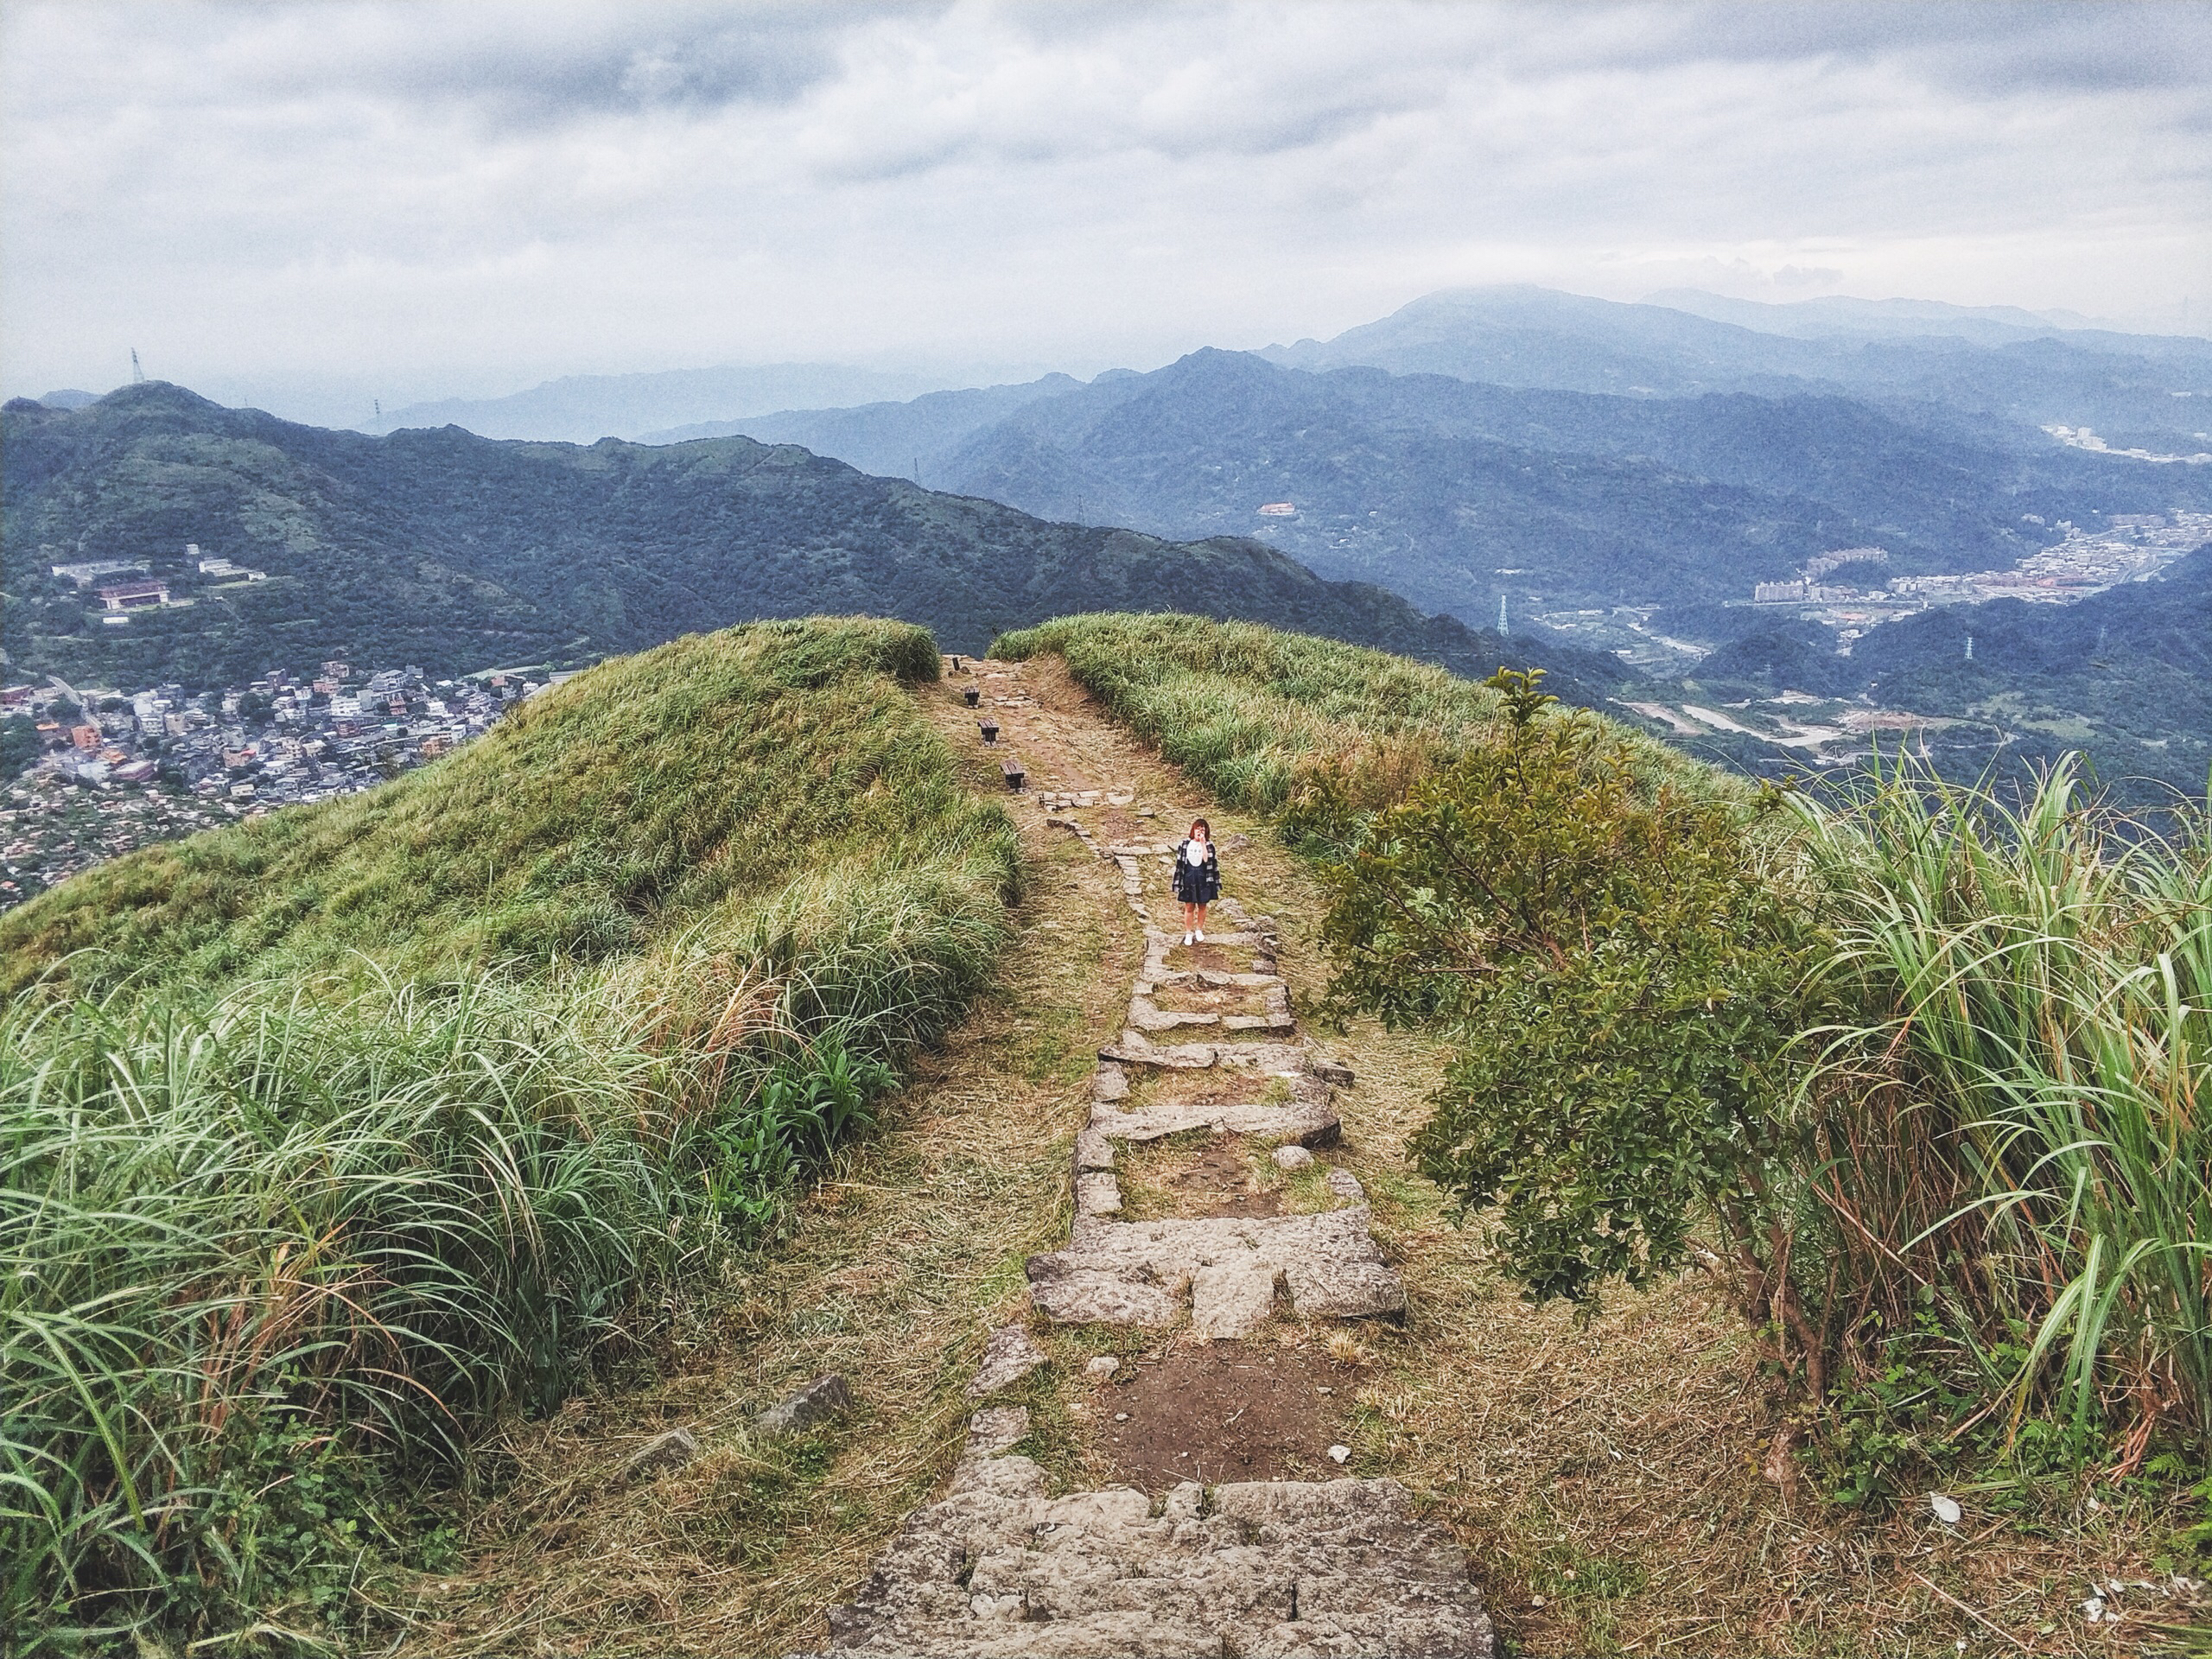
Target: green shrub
1623,988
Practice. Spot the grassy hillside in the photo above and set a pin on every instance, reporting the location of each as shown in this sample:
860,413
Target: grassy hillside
1925,1071
648,795
1248,711
457,553
418,1107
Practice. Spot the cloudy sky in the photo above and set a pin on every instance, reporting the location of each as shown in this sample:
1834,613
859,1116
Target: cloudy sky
308,204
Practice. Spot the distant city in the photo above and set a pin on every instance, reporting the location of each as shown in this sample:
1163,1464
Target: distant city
113,773
2132,548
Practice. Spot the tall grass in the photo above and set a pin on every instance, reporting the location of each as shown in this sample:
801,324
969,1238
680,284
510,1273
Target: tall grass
2041,1065
346,1134
1251,712
2007,1139
231,1230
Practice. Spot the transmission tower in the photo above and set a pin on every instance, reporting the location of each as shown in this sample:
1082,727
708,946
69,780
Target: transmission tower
1502,628
137,374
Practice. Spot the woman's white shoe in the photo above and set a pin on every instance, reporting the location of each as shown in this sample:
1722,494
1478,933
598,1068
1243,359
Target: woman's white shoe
1187,938
1202,936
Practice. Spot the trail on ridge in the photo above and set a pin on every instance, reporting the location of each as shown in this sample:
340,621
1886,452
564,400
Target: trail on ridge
1210,1055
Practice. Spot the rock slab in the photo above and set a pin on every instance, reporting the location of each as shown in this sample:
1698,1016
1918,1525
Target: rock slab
998,1570
1008,1356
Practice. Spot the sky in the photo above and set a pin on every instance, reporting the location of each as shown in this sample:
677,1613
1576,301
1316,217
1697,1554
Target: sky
309,205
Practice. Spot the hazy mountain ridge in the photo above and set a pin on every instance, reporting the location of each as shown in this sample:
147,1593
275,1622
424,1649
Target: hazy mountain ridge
460,552
1437,486
1539,337
885,438
584,408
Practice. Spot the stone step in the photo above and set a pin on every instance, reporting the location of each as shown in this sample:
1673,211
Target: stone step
997,1569
1136,1049
1309,1121
1143,1272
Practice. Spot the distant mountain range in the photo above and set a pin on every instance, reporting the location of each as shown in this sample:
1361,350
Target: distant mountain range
1962,365
458,552
584,408
1455,493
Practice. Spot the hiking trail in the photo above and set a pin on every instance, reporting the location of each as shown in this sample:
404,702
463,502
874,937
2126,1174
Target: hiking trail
1210,1058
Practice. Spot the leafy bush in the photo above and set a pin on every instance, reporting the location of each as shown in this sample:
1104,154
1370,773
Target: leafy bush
1624,988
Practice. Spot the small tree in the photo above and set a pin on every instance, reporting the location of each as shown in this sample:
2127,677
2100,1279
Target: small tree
1623,988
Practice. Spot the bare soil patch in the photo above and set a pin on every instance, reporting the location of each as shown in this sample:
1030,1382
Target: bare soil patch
1159,1086
1225,1411
1221,959
1171,1179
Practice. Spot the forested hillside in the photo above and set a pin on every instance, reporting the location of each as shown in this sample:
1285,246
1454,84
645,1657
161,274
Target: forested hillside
460,553
2125,675
1453,492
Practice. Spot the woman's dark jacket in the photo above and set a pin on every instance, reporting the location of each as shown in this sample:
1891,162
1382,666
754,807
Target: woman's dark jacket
1197,884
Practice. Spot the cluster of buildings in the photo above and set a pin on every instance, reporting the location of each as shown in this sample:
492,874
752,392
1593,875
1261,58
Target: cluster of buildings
113,773
127,586
2130,547
2081,437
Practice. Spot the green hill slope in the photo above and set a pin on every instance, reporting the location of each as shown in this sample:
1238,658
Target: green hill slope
653,793
458,553
424,1104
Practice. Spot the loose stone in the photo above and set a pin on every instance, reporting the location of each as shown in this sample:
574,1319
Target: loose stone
670,1451
824,1398
1008,1356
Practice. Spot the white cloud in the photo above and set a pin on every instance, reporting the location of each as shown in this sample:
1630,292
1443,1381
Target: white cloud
423,197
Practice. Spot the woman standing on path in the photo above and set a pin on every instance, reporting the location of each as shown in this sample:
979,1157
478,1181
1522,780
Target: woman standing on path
1197,878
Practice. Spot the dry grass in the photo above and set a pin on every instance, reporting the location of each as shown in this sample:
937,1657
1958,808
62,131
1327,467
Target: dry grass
891,1274
1606,1481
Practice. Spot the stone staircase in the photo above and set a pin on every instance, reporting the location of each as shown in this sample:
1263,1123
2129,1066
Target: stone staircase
998,1567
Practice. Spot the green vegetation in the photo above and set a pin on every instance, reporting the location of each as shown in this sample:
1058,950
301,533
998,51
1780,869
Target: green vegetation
651,795
2033,1092
458,553
1635,997
1248,710
1930,1073
331,1139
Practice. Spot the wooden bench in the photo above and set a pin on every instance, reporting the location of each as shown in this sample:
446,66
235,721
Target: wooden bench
989,729
1014,774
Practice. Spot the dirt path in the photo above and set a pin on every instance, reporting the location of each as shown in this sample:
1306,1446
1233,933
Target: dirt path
1211,1074
1604,1477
